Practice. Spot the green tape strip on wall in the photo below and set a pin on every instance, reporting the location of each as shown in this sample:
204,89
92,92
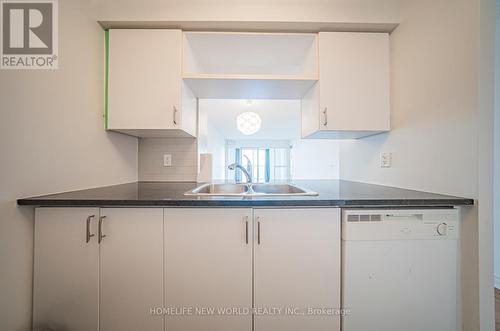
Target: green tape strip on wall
106,37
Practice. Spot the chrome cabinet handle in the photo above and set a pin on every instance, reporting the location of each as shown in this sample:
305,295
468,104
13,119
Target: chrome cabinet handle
246,230
100,236
258,230
88,235
325,116
175,117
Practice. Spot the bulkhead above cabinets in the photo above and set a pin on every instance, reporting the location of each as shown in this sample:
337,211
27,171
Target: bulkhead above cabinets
155,76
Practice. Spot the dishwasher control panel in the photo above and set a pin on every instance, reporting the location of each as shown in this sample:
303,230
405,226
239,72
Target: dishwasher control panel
388,224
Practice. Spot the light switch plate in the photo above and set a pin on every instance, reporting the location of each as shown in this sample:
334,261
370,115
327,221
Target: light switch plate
385,160
167,160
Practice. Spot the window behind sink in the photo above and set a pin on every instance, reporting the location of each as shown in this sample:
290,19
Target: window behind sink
228,130
268,161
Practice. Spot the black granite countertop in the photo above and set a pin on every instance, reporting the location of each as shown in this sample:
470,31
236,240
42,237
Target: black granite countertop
334,193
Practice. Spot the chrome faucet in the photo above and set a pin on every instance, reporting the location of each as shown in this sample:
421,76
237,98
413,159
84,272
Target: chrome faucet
248,175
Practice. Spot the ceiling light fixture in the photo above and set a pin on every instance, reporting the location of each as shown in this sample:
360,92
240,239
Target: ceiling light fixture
248,123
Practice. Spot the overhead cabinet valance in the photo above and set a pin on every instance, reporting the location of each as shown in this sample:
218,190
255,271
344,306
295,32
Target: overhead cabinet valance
235,65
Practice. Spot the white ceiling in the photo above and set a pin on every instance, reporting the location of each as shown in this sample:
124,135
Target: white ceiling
280,118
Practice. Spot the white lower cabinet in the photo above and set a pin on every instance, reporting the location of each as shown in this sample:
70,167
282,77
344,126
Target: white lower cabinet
66,277
131,269
208,265
105,269
83,285
146,94
296,268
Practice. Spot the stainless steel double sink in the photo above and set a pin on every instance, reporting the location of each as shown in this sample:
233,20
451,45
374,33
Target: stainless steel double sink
249,190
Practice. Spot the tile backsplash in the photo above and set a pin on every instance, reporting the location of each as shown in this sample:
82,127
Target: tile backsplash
184,153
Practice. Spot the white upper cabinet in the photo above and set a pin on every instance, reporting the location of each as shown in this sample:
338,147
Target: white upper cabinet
146,94
155,77
250,65
351,99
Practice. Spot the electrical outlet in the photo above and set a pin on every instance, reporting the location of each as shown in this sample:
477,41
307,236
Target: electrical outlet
385,160
167,160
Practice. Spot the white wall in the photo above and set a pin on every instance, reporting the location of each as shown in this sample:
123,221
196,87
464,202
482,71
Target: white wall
280,119
216,145
315,159
210,140
486,106
435,112
497,151
433,104
51,140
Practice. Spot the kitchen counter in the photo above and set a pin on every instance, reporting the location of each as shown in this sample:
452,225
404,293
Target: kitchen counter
332,193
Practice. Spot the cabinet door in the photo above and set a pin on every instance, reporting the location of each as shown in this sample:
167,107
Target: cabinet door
144,87
131,269
297,266
65,283
354,81
208,265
